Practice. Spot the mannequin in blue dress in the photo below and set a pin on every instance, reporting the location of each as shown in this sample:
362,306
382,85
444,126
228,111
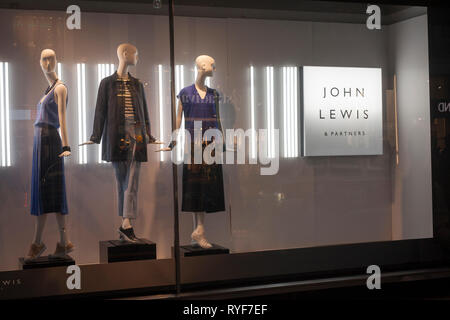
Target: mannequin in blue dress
48,194
200,194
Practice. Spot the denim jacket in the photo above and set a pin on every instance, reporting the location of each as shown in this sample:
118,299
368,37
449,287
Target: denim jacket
109,120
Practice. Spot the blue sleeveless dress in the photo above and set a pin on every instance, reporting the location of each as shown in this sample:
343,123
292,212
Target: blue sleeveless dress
48,188
202,183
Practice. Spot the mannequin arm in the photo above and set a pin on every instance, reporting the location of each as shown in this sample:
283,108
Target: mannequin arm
61,96
85,143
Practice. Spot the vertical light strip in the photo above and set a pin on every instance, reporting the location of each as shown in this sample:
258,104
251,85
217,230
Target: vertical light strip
83,86
290,116
182,126
81,90
252,113
80,126
103,70
177,91
161,108
7,118
2,114
295,112
290,111
270,112
396,120
99,73
179,84
100,76
105,73
195,73
60,76
285,117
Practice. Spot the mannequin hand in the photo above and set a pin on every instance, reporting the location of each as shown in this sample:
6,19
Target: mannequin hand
157,142
85,143
163,149
65,154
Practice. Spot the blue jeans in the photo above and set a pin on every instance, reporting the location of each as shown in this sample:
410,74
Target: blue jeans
127,178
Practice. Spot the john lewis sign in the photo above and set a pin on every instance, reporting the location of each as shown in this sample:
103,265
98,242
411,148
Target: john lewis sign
342,111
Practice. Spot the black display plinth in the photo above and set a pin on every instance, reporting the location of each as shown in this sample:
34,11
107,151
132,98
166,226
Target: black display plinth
120,250
193,250
46,262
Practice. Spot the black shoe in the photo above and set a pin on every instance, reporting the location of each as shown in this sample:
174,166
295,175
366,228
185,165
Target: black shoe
127,234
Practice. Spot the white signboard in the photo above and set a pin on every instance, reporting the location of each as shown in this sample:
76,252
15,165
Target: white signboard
342,111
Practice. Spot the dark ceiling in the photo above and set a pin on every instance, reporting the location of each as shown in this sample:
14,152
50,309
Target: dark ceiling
305,10
285,5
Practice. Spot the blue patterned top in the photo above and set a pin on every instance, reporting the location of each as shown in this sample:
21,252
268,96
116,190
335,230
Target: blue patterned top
197,109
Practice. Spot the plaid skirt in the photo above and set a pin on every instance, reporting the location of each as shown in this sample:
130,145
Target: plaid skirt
48,190
202,187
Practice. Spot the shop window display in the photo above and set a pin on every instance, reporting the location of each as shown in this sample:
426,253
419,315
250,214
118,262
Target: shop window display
274,133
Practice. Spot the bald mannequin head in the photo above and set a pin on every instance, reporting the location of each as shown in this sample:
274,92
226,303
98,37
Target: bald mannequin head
127,54
48,61
205,64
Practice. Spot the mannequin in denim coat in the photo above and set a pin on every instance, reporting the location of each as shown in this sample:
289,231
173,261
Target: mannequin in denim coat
124,143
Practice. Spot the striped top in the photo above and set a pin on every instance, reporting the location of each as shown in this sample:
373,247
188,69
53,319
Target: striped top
125,93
